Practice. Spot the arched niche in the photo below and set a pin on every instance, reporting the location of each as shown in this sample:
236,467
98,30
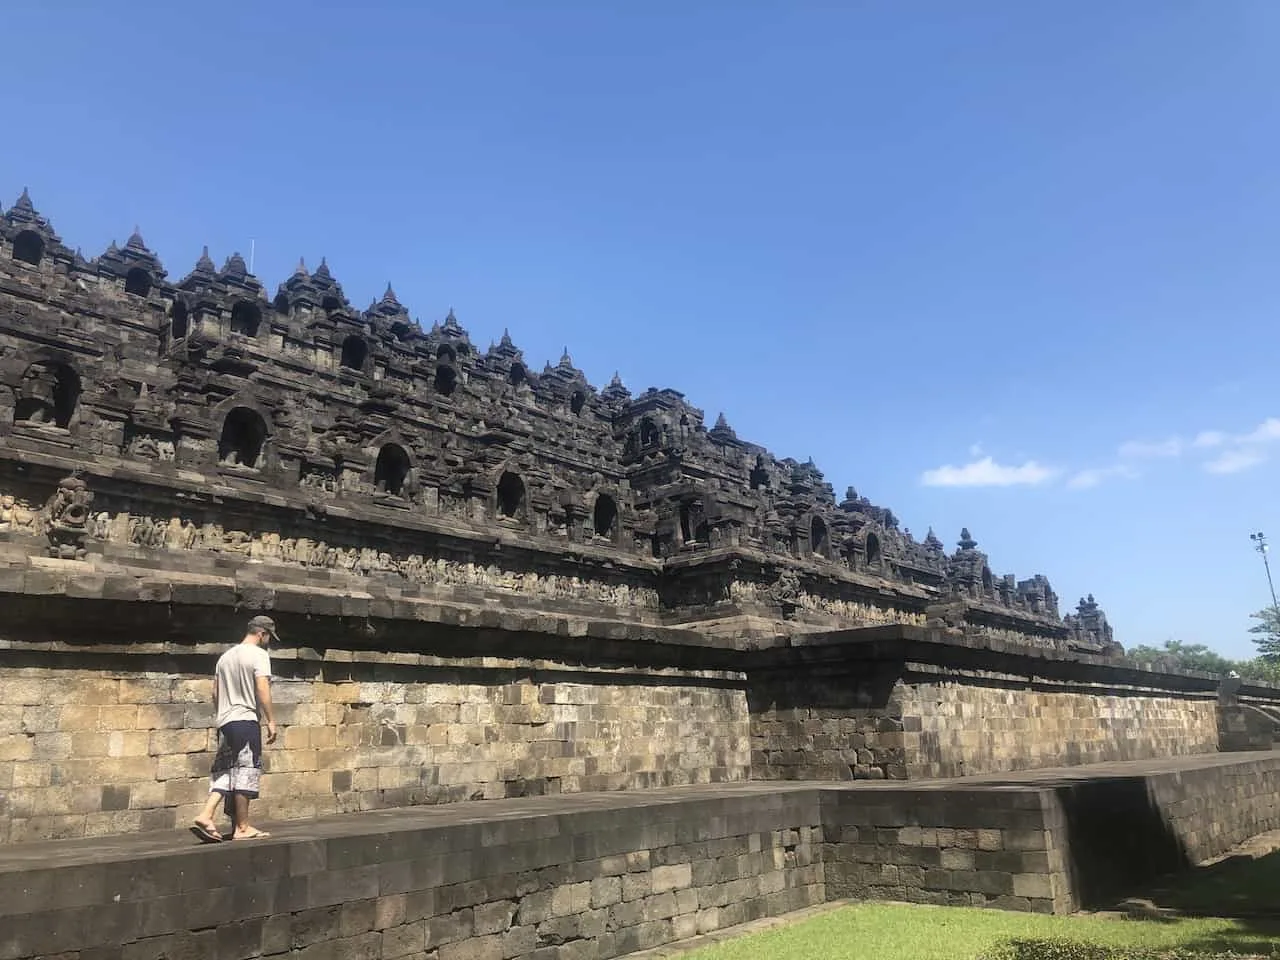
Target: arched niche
511,494
48,395
179,322
281,303
245,318
330,304
650,435
605,516
446,379
354,352
874,557
28,247
446,352
242,442
137,282
819,542
517,375
577,402
391,470
693,523
988,585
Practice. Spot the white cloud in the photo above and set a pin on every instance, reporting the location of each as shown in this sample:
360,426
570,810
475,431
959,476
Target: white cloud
1215,451
1210,438
1146,449
1240,451
1235,461
987,473
1084,479
1267,431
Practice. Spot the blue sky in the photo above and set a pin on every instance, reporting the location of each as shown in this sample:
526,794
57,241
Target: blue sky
1005,265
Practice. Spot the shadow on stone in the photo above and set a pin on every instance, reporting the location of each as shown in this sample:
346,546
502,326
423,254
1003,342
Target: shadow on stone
1114,836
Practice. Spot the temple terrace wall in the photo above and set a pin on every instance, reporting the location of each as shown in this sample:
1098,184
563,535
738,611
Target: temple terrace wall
593,877
107,728
905,704
126,746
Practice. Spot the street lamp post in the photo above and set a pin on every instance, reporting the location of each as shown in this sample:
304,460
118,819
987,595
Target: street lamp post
1260,544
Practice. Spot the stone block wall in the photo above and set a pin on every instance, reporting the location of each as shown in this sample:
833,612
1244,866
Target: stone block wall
107,730
590,878
1248,716
1121,829
969,847
884,714
538,885
962,727
1044,844
117,749
820,727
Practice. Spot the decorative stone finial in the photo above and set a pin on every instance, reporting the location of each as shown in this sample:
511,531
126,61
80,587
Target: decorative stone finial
322,271
205,263
135,241
301,269
451,325
24,204
235,267
966,541
390,295
722,430
615,392
566,361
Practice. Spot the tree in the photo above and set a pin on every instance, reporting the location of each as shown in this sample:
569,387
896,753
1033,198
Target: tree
1182,656
1196,656
1267,633
1261,669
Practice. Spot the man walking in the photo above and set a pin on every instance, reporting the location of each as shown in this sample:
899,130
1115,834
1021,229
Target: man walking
241,700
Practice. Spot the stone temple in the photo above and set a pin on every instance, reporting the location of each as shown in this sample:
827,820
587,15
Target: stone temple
500,583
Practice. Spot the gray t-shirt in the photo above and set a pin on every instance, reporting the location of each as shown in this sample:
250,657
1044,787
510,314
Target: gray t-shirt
236,673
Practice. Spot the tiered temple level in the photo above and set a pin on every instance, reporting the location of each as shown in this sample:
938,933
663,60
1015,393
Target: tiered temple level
143,419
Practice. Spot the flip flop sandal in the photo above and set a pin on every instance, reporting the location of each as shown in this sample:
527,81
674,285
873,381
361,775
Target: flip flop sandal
205,835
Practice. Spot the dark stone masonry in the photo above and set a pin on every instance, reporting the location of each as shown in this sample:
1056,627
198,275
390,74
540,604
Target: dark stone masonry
601,875
695,686
205,425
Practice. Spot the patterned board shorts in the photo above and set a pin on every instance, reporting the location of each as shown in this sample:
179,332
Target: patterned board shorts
237,766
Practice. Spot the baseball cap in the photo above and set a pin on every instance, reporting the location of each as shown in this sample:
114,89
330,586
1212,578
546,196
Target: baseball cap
267,625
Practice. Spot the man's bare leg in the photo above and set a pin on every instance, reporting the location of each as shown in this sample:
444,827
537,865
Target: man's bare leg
243,831
204,823
205,818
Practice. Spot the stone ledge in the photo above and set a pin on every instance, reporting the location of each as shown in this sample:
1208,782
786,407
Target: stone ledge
195,608
618,873
953,648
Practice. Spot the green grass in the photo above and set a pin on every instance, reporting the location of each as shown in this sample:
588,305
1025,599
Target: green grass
868,931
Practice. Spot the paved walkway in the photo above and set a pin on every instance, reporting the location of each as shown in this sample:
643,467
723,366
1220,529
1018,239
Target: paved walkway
63,853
